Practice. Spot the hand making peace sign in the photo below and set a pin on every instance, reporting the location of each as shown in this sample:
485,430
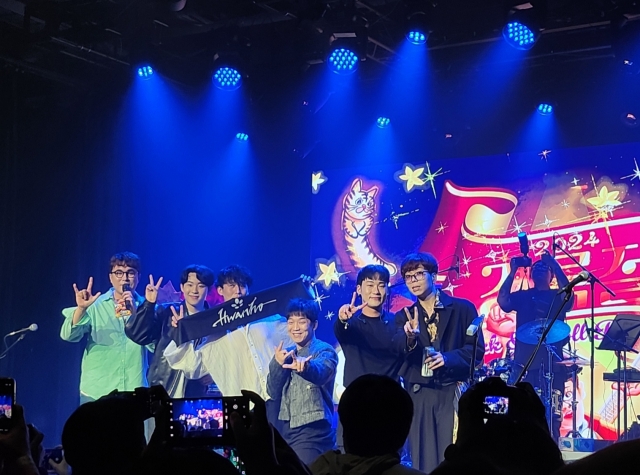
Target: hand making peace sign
151,290
412,326
84,298
176,317
347,310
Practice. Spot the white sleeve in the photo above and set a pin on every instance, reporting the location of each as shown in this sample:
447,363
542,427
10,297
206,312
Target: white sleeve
186,358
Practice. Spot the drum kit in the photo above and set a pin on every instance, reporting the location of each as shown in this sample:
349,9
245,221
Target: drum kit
509,370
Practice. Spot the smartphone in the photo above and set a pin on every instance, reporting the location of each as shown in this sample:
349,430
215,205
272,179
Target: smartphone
51,454
204,421
496,405
7,401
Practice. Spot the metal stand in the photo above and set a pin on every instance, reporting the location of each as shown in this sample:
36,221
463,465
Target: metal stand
574,434
592,282
8,348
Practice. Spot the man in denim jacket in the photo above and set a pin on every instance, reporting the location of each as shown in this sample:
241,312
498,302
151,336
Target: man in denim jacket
301,379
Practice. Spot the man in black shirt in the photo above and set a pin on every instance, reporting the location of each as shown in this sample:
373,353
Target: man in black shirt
365,332
538,303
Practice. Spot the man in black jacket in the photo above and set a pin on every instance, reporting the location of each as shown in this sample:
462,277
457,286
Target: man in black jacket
438,355
153,323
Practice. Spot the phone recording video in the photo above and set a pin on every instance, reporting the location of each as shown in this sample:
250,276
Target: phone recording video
204,421
7,400
496,405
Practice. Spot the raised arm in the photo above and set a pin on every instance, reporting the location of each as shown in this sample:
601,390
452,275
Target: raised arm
504,294
407,334
145,325
77,319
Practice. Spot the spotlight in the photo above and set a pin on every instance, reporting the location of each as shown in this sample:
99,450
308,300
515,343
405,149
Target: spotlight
417,37
417,24
145,72
343,61
227,79
383,122
522,28
545,109
242,137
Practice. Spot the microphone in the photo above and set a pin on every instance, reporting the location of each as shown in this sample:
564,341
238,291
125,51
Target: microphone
524,243
581,277
31,328
126,287
475,324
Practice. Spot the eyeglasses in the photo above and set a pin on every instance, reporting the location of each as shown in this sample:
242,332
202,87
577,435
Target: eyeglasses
417,277
120,274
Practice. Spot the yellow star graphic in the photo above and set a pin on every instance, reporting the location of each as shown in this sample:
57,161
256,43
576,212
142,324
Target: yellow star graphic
328,274
317,179
605,200
411,177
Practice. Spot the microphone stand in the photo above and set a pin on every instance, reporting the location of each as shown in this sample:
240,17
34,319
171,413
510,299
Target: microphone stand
592,283
8,348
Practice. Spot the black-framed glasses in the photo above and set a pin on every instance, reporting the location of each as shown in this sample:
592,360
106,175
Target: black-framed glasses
120,274
417,277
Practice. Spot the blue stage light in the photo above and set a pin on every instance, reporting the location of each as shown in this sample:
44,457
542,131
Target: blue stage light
242,137
343,61
383,122
545,109
227,79
145,72
518,35
417,37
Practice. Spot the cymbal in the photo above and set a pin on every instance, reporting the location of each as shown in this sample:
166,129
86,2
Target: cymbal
531,332
579,361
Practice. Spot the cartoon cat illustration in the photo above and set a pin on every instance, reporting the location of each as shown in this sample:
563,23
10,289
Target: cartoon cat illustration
358,210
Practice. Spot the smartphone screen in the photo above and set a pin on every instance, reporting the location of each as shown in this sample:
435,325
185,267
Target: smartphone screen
7,400
204,421
197,418
496,405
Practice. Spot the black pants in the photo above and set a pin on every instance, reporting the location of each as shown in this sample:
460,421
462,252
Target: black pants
311,440
432,427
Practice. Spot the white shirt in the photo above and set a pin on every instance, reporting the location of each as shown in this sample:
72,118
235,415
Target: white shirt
238,360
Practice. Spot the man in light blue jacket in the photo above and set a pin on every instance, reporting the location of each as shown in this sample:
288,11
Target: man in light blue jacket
301,379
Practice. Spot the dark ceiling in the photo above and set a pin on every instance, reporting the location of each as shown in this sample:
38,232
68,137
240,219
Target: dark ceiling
80,41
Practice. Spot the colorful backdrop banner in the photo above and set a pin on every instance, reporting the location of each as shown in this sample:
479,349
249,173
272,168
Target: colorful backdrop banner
468,213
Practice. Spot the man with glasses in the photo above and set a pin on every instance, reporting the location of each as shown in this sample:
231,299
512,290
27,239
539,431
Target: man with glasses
110,360
438,354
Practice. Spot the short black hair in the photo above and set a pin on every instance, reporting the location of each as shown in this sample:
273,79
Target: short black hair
372,272
234,274
128,259
376,413
308,308
203,273
417,259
